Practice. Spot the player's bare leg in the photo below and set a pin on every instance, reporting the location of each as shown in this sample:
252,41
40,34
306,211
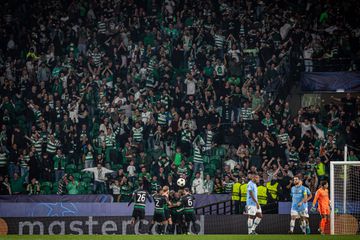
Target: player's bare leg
133,220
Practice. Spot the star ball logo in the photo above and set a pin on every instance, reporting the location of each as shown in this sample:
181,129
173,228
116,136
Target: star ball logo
3,227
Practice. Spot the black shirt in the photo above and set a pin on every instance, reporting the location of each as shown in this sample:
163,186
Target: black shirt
160,202
188,202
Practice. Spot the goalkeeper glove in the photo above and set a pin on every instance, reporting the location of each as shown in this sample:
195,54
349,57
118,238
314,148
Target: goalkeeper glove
313,209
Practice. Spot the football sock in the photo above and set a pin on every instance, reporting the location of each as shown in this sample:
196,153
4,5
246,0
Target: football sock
322,224
255,224
250,224
292,225
303,226
150,228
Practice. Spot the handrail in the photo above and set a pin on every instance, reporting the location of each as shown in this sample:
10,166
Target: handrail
221,208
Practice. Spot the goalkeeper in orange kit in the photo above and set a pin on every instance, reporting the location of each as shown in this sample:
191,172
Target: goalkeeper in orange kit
322,198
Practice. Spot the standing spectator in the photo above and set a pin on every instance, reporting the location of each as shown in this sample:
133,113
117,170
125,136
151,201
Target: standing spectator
198,157
72,186
197,186
308,52
33,188
3,160
190,84
17,184
218,186
208,185
59,164
115,187
5,187
99,177
62,185
47,167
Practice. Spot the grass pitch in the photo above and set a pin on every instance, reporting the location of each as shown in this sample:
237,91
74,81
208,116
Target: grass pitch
179,237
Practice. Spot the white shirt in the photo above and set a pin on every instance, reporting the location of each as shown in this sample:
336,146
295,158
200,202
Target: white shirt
118,99
115,189
305,128
99,174
131,170
190,86
145,116
308,53
197,186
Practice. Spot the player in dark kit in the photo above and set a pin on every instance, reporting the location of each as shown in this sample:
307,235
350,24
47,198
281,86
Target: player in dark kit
159,214
168,219
139,197
176,211
187,201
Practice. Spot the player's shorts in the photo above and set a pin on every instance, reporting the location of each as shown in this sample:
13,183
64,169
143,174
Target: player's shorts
167,214
298,214
252,210
159,217
324,210
190,216
138,213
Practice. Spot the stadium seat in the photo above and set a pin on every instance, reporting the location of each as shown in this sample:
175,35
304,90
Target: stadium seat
54,189
211,169
206,159
83,187
220,151
87,177
77,176
216,160
116,167
70,169
45,188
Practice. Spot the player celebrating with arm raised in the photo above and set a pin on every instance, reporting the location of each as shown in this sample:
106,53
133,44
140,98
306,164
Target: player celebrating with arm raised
253,208
299,196
139,198
322,198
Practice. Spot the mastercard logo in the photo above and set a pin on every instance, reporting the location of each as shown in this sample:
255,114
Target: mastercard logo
3,227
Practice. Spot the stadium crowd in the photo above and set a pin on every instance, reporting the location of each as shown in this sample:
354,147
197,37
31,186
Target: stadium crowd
99,95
